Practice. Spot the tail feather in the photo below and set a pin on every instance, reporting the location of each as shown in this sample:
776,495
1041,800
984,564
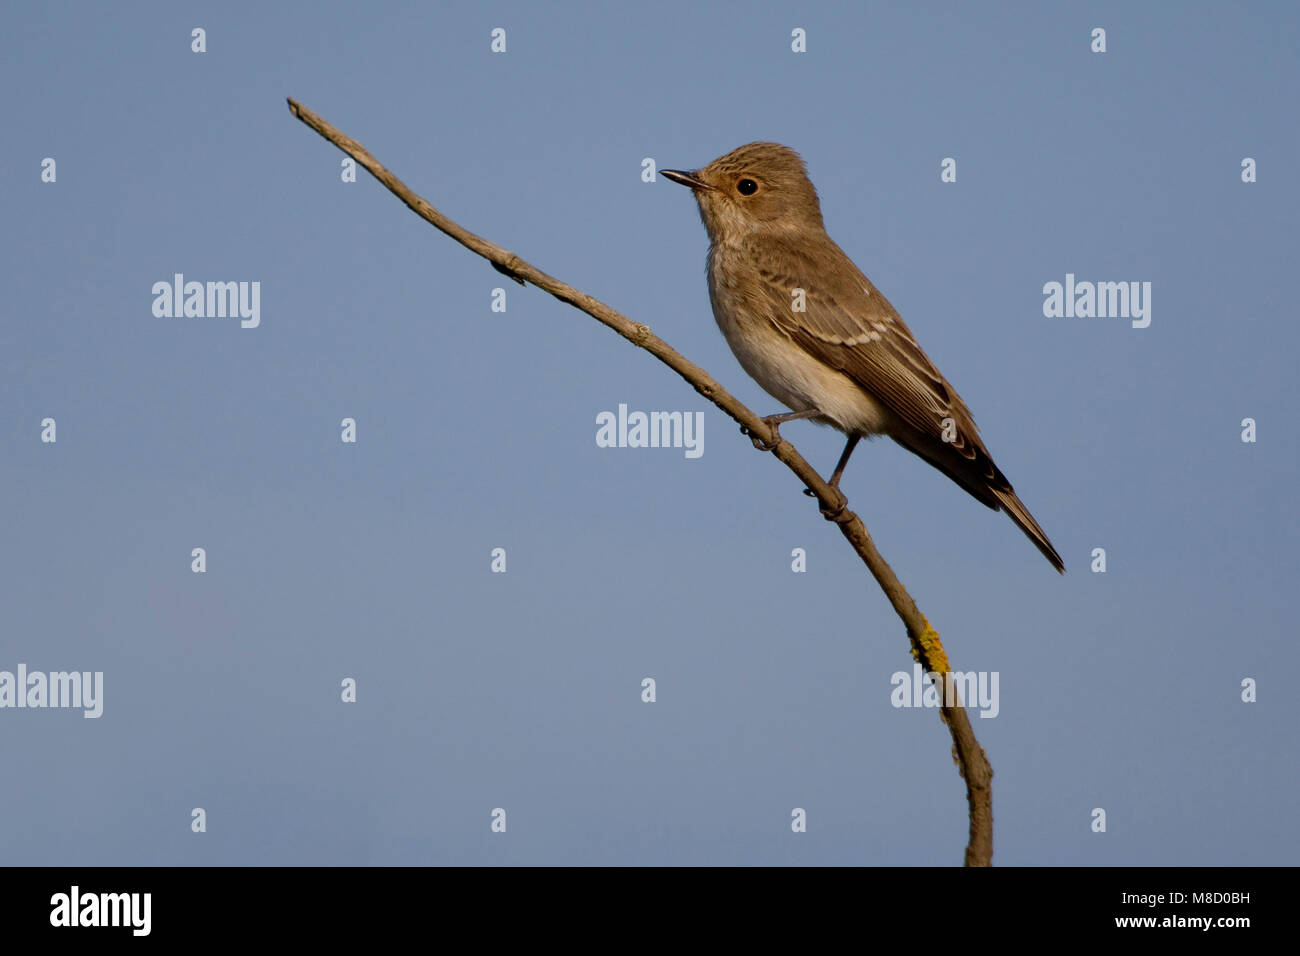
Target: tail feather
983,481
1014,507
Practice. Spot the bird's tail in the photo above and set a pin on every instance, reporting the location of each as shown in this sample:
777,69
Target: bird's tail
1013,506
983,481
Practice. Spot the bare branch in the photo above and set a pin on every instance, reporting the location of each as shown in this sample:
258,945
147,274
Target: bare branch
926,646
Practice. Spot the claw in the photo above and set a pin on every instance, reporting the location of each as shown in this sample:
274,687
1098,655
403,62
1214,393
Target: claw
834,514
831,514
758,442
773,422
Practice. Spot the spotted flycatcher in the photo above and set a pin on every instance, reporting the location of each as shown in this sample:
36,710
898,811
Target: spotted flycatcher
811,329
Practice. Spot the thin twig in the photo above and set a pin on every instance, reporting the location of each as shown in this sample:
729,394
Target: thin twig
926,647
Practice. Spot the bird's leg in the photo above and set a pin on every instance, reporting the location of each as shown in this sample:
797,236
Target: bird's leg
831,514
773,421
851,444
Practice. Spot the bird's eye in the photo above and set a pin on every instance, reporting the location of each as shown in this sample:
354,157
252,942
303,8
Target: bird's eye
747,187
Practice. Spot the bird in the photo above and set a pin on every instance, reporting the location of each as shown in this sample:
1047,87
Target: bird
809,327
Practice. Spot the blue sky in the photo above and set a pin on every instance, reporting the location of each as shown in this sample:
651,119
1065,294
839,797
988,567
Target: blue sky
476,430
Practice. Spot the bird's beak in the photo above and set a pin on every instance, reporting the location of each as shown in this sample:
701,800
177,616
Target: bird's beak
686,179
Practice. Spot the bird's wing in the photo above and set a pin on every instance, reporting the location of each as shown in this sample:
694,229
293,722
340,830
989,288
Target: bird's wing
852,327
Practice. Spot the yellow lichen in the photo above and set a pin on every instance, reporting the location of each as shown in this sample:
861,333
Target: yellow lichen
929,650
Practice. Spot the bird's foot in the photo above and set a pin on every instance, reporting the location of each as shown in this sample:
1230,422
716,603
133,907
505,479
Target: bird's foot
834,513
771,421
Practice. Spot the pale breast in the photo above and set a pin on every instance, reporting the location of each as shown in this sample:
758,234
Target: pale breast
784,370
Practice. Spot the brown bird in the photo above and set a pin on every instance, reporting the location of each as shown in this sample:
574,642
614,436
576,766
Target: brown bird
814,332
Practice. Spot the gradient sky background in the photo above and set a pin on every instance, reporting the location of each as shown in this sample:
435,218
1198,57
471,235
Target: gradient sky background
477,430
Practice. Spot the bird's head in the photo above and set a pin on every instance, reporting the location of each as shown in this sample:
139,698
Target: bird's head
759,187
